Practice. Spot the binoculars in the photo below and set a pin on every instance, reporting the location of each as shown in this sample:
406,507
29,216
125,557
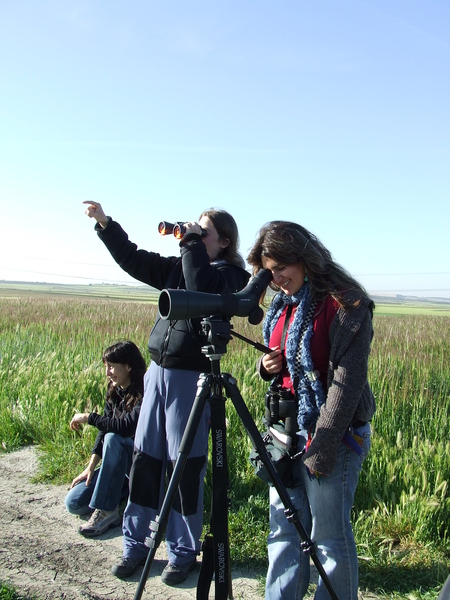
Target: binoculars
281,404
178,229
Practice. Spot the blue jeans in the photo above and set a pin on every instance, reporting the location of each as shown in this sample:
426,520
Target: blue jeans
109,485
324,507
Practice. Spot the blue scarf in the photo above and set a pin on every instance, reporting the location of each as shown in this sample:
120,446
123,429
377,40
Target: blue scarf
309,392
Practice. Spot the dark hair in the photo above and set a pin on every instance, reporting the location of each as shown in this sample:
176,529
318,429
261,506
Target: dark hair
126,353
226,228
289,243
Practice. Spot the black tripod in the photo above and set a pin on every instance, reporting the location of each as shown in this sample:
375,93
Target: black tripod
217,332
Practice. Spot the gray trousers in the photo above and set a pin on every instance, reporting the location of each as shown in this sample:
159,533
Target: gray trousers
168,398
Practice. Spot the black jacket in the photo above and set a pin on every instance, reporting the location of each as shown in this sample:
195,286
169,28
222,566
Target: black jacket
175,344
115,419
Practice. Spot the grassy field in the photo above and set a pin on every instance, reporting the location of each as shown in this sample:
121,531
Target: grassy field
138,293
50,367
409,308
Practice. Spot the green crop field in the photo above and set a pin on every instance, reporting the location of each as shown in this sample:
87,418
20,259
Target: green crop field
106,291
50,367
409,308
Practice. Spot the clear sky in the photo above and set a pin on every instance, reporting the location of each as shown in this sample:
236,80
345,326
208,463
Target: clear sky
331,113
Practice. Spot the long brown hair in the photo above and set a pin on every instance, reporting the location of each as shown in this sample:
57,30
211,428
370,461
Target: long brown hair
288,243
226,228
126,353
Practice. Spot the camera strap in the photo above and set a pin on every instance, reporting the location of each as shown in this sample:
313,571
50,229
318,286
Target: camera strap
287,319
215,547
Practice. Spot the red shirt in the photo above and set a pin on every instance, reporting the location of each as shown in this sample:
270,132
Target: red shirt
320,344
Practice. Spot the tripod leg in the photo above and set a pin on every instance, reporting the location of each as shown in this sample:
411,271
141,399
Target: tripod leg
308,545
158,526
216,547
220,481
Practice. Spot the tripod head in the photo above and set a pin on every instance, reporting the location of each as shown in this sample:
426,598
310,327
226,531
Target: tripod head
216,331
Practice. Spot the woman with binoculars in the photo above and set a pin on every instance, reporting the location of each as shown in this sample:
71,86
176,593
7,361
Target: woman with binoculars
209,262
319,327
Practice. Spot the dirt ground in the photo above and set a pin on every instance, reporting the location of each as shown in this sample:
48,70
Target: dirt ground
42,553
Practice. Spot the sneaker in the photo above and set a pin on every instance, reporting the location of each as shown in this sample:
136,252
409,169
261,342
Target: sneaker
173,574
126,567
100,521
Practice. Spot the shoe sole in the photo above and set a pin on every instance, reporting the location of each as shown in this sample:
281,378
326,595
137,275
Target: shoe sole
97,532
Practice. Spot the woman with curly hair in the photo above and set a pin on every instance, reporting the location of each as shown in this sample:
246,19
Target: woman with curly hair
319,327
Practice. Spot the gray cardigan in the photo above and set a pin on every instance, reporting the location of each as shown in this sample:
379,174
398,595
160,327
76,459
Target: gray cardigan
349,397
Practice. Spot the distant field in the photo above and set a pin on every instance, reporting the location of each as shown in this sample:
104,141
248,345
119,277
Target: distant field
408,308
146,294
112,292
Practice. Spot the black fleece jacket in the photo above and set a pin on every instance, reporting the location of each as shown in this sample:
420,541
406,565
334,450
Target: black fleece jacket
175,344
115,419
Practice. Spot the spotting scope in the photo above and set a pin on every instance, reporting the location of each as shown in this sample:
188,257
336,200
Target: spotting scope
188,304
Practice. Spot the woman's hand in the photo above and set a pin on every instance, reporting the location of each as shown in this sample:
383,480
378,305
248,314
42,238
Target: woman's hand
87,473
193,227
84,475
273,362
95,210
77,420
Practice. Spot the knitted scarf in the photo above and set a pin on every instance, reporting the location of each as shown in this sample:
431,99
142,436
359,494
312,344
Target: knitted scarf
309,390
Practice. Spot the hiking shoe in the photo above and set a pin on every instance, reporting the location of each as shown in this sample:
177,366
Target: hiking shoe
174,574
100,521
126,567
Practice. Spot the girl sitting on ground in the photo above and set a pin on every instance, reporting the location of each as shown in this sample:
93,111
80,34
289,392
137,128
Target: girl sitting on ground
99,491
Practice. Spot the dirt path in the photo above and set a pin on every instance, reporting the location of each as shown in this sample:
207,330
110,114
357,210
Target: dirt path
42,553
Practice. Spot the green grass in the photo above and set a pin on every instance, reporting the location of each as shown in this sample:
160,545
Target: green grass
50,367
7,592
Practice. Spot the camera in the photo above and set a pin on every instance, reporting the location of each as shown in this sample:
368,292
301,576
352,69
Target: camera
281,405
188,304
178,229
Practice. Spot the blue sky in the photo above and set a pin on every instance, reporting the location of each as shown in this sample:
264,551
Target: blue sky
331,113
